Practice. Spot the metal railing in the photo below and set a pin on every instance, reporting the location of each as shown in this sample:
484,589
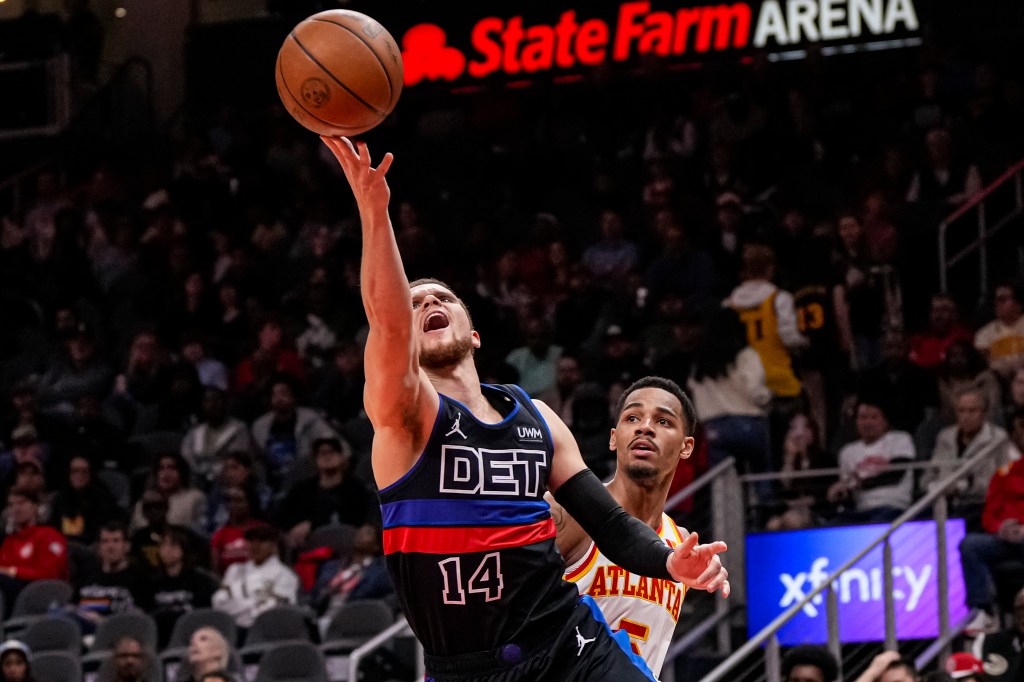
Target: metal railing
935,498
985,232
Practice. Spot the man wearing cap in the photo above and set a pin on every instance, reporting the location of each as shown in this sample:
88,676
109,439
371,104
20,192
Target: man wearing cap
331,496
259,584
30,552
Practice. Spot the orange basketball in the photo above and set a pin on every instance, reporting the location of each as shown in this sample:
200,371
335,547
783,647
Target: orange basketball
339,73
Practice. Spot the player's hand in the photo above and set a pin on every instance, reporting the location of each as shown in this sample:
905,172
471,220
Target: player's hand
368,183
697,565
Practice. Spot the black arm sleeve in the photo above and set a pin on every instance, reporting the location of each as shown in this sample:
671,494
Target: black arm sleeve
627,541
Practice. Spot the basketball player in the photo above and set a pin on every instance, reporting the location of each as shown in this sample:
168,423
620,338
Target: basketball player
462,469
654,430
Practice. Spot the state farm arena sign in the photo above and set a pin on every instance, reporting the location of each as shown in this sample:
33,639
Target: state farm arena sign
553,42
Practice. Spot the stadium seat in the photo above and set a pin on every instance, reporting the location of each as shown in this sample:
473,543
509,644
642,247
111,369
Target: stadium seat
53,634
138,625
35,601
338,537
355,623
279,624
198,618
56,665
291,662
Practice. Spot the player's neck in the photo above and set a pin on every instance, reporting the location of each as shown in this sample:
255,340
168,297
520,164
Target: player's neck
644,502
461,382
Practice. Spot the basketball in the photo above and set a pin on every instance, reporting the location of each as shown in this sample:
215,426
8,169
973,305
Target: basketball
339,73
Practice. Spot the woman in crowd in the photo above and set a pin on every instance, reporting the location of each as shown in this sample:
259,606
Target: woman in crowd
14,662
186,506
81,508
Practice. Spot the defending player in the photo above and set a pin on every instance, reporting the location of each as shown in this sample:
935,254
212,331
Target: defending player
654,430
462,469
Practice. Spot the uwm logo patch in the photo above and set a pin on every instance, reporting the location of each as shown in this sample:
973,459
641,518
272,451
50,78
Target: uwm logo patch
530,433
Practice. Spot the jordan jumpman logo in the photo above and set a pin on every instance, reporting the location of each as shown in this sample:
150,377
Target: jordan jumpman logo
455,427
582,641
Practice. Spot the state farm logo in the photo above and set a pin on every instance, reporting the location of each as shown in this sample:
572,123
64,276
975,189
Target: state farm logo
509,46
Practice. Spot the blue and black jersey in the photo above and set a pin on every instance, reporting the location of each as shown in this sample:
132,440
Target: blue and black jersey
468,537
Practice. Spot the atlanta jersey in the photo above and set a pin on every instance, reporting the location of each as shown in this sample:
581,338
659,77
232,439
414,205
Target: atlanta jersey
646,608
468,537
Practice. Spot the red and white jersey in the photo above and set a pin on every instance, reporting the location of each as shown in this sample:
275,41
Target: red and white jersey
646,608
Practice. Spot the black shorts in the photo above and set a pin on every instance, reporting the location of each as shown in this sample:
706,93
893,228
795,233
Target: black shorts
583,650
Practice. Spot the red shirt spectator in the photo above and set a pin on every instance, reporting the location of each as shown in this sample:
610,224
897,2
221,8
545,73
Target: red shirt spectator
1005,499
928,349
228,544
30,552
271,357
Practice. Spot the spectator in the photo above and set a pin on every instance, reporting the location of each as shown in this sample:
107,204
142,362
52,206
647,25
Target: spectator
208,653
90,432
729,390
928,348
909,390
536,360
332,496
364,575
179,587
25,447
211,372
186,506
259,584
339,385
964,368
1002,339
807,663
118,585
84,505
1001,539
1000,651
29,552
218,676
568,377
943,180
25,413
270,357
612,256
78,371
228,545
802,497
680,268
770,320
889,666
146,377
286,433
1014,396
878,493
206,443
15,663
29,476
238,471
971,434
131,662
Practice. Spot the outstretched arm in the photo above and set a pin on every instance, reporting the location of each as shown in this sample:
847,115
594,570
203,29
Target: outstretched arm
398,398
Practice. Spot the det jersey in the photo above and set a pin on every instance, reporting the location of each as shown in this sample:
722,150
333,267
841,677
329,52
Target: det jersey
646,608
468,537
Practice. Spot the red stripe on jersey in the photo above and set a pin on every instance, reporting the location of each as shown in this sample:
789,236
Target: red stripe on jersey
446,540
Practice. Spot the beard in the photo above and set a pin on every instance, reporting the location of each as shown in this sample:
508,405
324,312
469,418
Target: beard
642,472
447,354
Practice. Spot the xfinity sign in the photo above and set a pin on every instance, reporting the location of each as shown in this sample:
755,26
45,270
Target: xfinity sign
783,568
562,40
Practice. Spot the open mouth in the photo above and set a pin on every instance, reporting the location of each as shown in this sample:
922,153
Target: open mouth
641,446
435,321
